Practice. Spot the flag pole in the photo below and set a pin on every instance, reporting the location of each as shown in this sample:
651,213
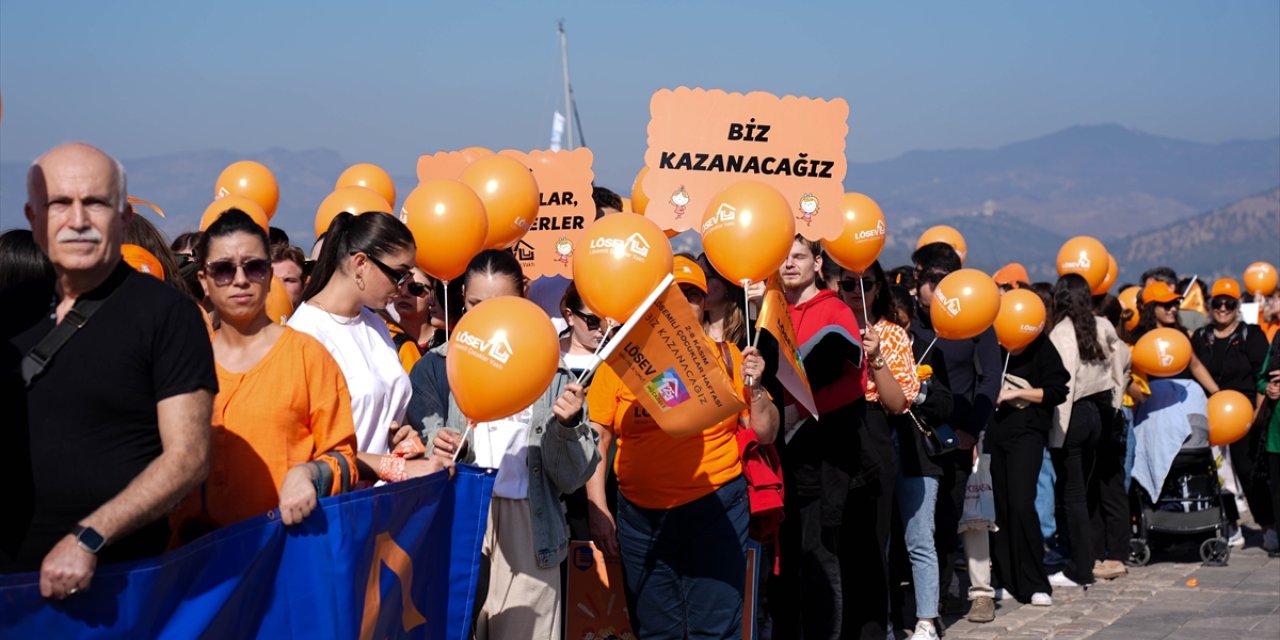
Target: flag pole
627,326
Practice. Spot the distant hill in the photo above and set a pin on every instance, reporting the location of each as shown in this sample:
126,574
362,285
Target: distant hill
1106,180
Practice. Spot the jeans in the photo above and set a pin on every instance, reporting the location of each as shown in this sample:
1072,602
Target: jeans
1130,447
1044,498
917,499
685,568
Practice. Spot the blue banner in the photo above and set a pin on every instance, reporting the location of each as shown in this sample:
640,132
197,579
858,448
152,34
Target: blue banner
397,561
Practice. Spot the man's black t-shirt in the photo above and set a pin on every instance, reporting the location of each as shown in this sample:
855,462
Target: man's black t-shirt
91,414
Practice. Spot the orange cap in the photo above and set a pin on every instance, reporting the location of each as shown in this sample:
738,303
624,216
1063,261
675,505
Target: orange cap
1012,274
687,271
142,260
1226,287
1158,292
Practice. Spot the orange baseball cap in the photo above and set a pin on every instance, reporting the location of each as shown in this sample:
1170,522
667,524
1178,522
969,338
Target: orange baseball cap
1012,274
142,260
1158,292
687,271
1226,287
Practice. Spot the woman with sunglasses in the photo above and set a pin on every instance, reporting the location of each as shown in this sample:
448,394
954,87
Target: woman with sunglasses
1233,353
282,431
413,330
578,342
364,263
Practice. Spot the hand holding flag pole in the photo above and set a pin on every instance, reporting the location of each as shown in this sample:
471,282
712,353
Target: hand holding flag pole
610,345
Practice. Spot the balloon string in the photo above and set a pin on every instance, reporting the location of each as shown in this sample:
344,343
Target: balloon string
446,315
471,427
866,322
926,349
746,299
1006,367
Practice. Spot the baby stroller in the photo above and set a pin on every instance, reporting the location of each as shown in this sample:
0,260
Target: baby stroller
1191,503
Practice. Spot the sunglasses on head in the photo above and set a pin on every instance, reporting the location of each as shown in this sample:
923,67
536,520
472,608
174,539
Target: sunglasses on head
398,278
1227,303
224,271
851,285
592,321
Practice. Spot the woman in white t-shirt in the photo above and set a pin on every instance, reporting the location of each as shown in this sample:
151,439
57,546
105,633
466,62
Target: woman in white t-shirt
364,263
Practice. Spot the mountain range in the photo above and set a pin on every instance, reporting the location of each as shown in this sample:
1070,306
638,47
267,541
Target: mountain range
1150,198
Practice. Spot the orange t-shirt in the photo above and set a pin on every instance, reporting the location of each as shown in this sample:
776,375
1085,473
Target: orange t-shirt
288,409
655,470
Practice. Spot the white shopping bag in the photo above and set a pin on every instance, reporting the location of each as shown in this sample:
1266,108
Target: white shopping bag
979,501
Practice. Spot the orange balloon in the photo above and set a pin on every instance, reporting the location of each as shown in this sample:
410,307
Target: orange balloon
279,306
1129,300
948,235
225,203
860,242
965,303
1113,271
1162,352
1020,319
639,201
502,357
1259,278
142,260
1230,415
510,196
449,226
369,176
627,256
747,231
252,180
353,200
1085,256
626,205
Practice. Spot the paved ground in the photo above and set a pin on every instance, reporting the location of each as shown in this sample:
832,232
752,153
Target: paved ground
1241,600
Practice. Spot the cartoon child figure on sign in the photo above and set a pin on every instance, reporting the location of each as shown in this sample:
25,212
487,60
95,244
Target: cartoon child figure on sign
680,199
808,208
564,250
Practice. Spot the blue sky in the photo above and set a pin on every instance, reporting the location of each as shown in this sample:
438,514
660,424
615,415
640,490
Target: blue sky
385,82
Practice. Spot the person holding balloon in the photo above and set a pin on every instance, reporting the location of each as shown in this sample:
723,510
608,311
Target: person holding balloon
282,422
542,451
1035,383
1160,310
1233,353
1083,441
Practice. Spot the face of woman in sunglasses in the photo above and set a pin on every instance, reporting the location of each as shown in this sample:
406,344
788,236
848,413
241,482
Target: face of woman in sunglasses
851,290
414,300
1224,310
236,276
382,276
587,327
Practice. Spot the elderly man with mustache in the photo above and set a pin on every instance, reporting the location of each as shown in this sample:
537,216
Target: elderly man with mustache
112,417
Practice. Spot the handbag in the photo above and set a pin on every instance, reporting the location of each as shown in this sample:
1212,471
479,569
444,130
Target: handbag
937,440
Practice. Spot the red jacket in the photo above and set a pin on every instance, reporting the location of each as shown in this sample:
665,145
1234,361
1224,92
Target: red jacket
808,318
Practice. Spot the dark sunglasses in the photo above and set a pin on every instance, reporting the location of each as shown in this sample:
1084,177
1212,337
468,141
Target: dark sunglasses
396,277
849,286
1172,304
931,277
592,321
224,271
417,289
1229,304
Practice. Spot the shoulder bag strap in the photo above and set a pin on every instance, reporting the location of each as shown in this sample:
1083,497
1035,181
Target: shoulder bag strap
42,354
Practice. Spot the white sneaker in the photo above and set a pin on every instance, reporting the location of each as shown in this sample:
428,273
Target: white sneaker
924,631
1237,538
999,594
1270,541
1060,579
1042,599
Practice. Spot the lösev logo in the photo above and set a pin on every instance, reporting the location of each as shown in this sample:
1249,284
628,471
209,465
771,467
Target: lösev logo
1031,328
951,305
635,245
869,234
497,347
725,214
1162,350
1081,263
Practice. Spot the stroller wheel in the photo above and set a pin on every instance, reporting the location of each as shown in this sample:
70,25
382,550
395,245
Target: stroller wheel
1215,552
1139,553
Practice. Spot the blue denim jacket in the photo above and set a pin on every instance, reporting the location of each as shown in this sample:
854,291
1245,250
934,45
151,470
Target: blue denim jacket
560,459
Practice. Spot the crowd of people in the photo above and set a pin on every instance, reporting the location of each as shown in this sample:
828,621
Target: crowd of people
151,408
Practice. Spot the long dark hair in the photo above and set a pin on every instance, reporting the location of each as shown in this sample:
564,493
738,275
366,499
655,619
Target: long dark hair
1073,301
144,234
22,261
372,233
882,304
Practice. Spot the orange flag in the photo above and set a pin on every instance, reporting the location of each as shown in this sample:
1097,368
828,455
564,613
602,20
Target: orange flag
776,319
1194,299
668,363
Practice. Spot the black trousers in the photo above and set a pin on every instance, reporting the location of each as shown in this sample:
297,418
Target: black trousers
806,595
1273,460
1017,548
1108,504
957,466
864,560
1074,464
1244,456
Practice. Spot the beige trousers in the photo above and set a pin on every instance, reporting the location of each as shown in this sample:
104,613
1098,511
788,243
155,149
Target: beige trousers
523,600
977,550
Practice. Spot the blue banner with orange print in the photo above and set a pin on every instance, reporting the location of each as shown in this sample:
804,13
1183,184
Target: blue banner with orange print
396,561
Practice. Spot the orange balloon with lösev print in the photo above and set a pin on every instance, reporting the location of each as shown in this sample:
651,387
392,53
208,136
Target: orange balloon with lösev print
1162,352
862,238
372,177
1113,271
252,180
1020,319
947,235
510,196
353,200
1230,415
1260,278
626,256
226,203
965,303
448,224
1085,256
502,357
747,231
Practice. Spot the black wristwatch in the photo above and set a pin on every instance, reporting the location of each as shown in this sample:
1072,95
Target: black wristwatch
89,538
